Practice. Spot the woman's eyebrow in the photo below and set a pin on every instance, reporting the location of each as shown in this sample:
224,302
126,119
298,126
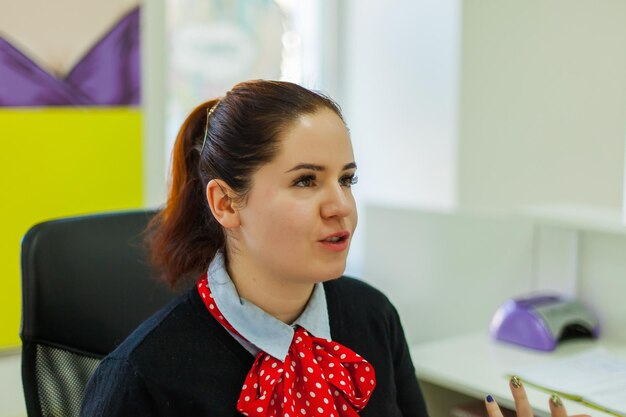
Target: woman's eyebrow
314,167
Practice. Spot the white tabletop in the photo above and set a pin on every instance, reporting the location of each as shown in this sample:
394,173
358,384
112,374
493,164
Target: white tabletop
476,365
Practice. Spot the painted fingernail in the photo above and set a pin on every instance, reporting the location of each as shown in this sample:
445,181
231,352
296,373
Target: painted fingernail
489,399
556,401
516,381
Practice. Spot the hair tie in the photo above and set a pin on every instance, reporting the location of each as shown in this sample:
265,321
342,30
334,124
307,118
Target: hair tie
209,111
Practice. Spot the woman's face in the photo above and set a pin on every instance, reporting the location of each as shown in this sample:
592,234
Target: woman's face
299,216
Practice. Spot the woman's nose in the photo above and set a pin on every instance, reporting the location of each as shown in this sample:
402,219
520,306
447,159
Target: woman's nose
338,202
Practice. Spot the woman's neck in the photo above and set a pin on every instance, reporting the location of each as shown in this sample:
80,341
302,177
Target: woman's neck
284,299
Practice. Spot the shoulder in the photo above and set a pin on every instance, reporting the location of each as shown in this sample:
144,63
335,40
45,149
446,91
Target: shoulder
183,328
352,302
119,386
151,327
180,359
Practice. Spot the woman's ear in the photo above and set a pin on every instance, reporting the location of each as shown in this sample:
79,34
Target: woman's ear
218,195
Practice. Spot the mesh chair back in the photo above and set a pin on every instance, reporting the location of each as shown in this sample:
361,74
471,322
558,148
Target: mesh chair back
86,284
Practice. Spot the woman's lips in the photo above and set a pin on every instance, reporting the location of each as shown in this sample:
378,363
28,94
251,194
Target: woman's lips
336,242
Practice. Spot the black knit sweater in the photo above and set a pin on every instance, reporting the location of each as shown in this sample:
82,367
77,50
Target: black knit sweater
182,362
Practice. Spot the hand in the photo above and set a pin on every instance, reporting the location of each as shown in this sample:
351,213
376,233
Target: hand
522,406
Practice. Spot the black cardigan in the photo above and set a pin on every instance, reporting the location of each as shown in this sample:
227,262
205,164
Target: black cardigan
182,362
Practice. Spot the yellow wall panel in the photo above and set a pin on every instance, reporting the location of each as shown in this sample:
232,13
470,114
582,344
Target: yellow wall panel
56,162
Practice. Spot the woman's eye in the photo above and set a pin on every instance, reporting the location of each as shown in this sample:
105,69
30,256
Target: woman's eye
304,181
349,180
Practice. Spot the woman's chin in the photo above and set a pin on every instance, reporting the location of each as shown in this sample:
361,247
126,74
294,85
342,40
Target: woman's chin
332,279
333,272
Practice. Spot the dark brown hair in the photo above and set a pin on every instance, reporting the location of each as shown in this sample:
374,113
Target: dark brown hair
242,135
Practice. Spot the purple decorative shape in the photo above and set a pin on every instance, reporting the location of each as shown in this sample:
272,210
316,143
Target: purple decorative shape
107,75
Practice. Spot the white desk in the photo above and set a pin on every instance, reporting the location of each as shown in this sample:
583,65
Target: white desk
475,365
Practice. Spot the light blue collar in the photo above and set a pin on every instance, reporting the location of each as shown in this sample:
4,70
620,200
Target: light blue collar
259,328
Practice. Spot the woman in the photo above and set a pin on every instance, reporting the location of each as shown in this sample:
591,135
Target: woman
261,209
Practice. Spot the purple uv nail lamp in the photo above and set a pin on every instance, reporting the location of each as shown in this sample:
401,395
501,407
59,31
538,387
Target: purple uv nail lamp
542,321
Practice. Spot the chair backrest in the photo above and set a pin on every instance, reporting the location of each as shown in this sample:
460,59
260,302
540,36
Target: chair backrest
86,284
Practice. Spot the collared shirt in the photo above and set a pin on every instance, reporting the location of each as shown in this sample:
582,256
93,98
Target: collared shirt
260,330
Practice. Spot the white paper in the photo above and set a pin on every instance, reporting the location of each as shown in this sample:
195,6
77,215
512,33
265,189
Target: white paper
596,376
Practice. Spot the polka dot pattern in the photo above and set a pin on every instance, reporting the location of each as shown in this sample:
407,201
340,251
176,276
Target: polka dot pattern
318,377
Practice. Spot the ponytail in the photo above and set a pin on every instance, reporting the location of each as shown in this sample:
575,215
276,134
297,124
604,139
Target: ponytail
184,236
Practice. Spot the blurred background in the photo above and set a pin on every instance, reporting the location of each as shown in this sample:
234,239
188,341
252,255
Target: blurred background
489,135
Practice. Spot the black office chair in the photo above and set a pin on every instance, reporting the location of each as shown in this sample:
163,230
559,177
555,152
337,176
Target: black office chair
86,284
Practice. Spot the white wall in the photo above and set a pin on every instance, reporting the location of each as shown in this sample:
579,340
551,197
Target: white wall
153,61
492,104
602,279
542,103
398,90
447,273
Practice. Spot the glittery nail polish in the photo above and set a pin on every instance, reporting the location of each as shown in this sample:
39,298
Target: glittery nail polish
556,401
516,381
489,399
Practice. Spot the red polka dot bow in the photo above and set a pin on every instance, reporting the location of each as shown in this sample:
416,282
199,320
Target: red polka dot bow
318,377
